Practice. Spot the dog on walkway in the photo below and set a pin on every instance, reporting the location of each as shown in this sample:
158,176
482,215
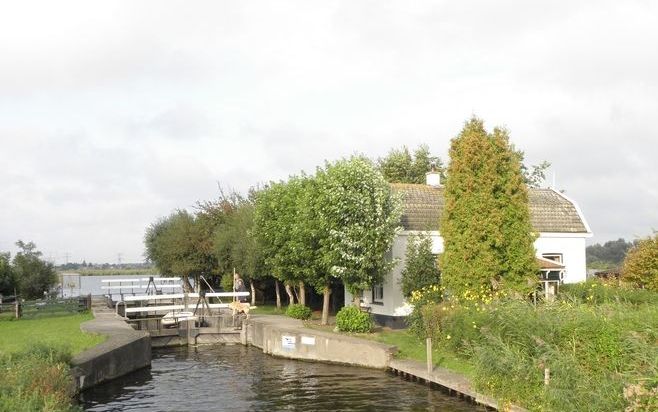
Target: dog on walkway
239,307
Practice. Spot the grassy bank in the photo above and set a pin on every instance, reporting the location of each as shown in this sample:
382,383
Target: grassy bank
34,361
598,343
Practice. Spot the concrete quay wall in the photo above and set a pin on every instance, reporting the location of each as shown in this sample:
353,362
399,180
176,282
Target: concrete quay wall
125,350
288,338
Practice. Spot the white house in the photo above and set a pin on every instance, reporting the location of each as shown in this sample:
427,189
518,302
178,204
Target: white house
560,246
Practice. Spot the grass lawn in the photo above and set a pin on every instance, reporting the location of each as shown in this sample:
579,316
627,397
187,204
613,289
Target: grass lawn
268,310
58,331
410,347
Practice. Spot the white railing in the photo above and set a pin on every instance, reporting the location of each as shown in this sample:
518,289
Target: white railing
176,306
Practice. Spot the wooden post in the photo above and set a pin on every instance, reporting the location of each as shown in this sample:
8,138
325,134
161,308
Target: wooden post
547,376
430,366
17,305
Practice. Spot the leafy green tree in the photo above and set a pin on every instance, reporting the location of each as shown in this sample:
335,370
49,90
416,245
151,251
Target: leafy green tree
33,275
180,245
420,265
399,166
282,222
235,241
358,216
488,239
641,264
7,278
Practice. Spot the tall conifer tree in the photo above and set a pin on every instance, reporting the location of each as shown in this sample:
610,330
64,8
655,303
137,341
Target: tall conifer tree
486,227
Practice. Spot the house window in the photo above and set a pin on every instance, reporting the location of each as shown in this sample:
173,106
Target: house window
555,257
378,293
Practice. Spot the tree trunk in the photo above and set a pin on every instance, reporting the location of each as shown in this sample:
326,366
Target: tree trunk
325,304
187,286
356,299
302,293
253,293
291,297
278,294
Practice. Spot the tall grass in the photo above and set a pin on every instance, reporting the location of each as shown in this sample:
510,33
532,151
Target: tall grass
601,356
36,379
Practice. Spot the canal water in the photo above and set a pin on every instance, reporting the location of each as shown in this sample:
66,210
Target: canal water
241,378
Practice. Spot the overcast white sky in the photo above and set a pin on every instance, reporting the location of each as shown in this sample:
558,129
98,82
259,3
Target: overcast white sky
113,114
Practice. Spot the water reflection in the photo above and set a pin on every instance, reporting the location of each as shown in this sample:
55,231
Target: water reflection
239,378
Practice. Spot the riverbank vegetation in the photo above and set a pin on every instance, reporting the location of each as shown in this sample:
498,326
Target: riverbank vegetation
598,344
36,379
34,359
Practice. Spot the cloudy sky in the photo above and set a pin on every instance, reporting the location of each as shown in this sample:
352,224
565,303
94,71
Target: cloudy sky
113,114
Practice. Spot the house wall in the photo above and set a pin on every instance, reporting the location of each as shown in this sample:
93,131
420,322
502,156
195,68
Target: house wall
393,300
572,248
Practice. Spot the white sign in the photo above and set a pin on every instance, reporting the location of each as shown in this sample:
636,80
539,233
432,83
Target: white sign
308,340
288,342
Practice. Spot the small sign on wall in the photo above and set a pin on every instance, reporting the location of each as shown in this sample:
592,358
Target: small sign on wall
308,340
288,342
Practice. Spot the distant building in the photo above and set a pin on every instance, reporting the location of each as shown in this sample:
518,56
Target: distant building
560,246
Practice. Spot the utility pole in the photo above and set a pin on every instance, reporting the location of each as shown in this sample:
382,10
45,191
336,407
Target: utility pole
119,258
67,255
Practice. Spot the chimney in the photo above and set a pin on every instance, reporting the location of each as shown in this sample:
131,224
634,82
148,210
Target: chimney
433,177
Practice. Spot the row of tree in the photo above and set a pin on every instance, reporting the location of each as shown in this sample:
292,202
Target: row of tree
27,274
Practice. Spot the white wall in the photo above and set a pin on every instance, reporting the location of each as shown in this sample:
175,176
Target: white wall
573,254
393,298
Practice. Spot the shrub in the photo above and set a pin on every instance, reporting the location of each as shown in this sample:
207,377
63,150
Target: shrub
352,319
226,282
298,311
641,264
427,295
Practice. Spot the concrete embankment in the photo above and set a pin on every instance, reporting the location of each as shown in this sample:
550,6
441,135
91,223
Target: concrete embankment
286,337
125,350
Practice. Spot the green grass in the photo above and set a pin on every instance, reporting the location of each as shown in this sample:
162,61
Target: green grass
411,347
56,331
268,310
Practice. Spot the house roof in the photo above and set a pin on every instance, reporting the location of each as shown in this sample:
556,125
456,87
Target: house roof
549,210
546,264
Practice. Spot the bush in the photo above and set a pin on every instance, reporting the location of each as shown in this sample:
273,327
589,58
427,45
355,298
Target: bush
226,282
428,295
641,264
352,319
298,311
